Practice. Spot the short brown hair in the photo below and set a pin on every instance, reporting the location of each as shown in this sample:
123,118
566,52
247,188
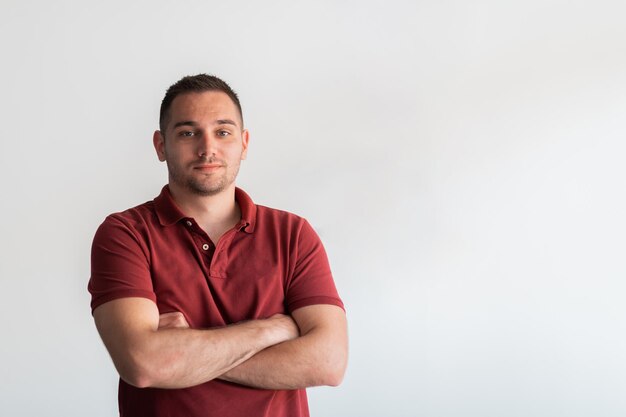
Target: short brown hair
195,84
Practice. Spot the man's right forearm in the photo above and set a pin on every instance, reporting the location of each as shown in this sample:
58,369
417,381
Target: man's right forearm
146,356
180,358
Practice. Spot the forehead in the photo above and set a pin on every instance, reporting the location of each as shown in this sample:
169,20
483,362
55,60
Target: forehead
203,107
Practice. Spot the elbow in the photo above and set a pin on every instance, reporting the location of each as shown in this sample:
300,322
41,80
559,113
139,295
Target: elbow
334,376
137,380
333,372
333,362
138,375
143,371
333,379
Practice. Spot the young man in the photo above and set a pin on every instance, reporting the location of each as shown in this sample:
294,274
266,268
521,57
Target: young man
208,304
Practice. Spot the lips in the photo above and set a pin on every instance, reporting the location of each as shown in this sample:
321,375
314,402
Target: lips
207,167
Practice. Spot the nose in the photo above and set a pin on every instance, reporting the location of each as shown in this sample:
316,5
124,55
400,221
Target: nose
206,146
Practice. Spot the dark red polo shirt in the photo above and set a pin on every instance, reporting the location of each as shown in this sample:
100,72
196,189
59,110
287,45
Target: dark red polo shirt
270,262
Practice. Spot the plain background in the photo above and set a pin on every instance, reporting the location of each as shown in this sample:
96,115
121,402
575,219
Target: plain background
462,162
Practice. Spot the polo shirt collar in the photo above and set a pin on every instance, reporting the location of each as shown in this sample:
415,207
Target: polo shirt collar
248,210
168,212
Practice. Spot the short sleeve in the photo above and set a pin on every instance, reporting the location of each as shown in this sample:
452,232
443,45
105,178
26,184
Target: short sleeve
119,264
312,281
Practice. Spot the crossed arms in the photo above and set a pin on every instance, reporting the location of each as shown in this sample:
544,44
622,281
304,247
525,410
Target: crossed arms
281,352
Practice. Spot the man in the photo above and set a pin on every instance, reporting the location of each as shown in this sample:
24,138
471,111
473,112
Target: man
208,304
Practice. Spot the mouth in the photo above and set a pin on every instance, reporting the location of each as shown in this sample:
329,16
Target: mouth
207,167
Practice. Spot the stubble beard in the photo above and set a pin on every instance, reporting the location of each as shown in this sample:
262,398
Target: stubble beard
206,184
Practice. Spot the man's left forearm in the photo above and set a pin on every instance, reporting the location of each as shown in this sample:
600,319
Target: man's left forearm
318,357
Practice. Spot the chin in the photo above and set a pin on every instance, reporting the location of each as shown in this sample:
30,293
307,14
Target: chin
204,189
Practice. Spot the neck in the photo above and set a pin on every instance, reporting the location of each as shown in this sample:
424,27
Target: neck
214,213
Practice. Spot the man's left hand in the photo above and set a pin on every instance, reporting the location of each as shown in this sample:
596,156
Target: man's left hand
173,320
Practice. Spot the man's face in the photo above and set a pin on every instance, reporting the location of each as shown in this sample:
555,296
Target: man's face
204,143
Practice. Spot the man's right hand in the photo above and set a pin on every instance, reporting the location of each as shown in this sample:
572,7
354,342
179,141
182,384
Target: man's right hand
285,326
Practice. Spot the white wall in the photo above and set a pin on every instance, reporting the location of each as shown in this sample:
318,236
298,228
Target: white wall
462,161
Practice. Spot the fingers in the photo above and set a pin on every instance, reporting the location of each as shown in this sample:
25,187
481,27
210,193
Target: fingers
286,325
173,320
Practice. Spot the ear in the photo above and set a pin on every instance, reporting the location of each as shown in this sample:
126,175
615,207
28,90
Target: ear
159,144
245,138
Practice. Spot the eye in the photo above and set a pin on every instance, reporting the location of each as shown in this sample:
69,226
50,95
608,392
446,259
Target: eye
223,133
186,133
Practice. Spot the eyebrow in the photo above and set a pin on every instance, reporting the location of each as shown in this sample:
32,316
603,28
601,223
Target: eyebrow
185,123
194,124
226,122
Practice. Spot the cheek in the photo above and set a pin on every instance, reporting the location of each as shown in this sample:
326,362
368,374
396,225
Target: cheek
236,158
236,152
177,152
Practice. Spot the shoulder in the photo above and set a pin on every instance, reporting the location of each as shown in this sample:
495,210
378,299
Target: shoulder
280,219
264,212
281,223
133,220
141,212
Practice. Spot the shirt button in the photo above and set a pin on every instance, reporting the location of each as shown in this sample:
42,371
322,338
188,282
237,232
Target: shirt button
205,246
188,223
